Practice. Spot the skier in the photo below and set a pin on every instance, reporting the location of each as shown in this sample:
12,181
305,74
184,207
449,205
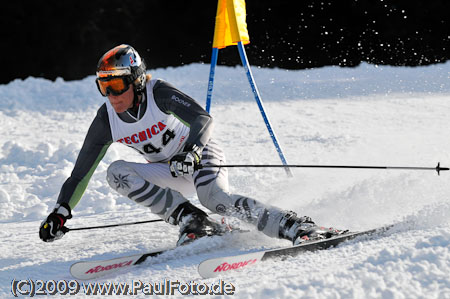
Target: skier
173,133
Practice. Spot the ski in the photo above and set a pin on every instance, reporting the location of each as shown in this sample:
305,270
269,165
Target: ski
85,270
94,269
215,266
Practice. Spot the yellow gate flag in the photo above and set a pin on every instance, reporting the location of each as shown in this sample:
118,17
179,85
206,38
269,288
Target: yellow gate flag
231,26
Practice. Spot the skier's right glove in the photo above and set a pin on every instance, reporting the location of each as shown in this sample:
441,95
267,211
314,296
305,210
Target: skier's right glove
185,162
53,227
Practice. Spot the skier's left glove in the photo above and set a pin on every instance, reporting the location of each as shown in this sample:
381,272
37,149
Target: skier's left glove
53,227
186,162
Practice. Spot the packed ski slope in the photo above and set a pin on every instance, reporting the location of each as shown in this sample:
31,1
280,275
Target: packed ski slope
369,115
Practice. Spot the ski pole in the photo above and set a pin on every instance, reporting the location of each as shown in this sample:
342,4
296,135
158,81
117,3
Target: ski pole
67,229
111,225
438,168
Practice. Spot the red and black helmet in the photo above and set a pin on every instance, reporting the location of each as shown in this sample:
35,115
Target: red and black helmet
118,68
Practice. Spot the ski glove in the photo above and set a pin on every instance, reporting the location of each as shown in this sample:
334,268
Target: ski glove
185,162
53,227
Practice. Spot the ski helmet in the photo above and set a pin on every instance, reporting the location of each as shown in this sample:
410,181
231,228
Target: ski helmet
118,68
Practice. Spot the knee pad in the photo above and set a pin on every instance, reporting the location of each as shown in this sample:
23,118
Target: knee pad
214,198
123,178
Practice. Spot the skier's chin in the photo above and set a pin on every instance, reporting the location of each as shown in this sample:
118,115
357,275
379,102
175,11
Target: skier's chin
120,108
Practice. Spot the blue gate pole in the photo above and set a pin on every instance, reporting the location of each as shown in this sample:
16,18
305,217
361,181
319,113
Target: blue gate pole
260,105
212,70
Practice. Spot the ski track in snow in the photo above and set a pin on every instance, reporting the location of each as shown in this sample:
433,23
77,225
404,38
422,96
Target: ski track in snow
369,115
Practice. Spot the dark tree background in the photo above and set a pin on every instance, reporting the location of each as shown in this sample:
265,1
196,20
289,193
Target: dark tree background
58,38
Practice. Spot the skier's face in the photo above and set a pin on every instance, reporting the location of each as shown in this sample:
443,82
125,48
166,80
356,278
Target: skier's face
123,102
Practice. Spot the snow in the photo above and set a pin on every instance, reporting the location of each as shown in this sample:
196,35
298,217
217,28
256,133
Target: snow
368,115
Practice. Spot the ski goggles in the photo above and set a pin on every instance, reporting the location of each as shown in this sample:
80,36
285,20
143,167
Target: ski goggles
112,85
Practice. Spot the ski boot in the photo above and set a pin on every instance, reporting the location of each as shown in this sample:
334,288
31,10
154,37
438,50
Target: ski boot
316,233
195,224
299,230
